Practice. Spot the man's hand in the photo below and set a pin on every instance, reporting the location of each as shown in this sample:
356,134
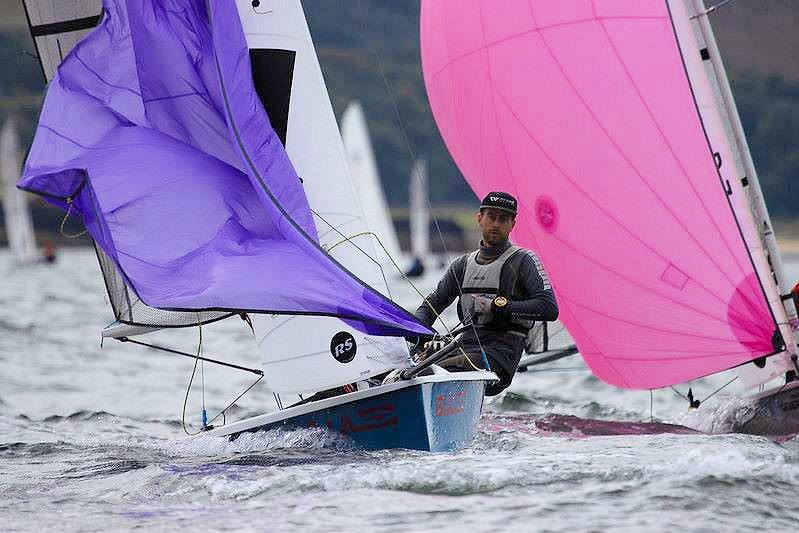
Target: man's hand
500,315
481,310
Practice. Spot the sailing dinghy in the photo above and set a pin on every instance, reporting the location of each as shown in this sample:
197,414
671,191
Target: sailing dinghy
209,125
614,124
17,218
365,176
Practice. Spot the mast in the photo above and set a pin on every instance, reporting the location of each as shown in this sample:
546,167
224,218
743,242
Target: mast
750,181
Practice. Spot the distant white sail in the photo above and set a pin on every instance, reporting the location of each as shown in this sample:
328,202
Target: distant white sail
303,353
419,211
355,133
19,228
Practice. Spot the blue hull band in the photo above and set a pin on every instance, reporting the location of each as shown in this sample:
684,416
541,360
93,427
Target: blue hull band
430,416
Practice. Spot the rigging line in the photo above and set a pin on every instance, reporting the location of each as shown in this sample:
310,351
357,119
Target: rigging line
711,9
202,367
349,239
651,406
678,393
377,238
231,404
414,158
193,356
719,389
64,221
188,390
186,400
399,270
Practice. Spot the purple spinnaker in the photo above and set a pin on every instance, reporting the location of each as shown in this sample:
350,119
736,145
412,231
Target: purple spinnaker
152,132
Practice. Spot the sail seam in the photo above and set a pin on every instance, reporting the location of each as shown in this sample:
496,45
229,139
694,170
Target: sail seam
677,161
647,326
718,172
488,45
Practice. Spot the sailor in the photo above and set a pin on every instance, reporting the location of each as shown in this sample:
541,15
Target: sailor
501,288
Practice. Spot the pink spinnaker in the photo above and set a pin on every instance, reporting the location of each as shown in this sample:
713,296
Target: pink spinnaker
584,111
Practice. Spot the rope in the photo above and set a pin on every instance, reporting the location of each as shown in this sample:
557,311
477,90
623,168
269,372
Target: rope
188,389
691,401
399,270
231,404
414,157
678,393
64,221
347,239
719,389
193,356
651,406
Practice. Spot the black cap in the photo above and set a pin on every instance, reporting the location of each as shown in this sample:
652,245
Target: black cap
499,200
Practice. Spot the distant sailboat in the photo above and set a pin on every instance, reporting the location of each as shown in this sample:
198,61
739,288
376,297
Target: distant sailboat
209,124
419,219
365,176
17,218
614,124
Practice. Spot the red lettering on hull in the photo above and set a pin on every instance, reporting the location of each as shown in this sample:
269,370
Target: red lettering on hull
450,404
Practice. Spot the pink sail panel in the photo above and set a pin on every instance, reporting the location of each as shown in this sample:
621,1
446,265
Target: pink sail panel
583,110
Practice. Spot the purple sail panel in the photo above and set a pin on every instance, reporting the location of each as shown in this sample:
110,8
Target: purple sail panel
153,133
583,110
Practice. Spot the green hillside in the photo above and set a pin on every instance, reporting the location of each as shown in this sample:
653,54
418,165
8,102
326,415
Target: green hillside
369,51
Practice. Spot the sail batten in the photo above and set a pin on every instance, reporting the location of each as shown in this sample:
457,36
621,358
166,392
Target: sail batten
586,112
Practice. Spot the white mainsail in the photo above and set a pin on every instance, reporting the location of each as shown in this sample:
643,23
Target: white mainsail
355,133
18,224
300,351
725,134
57,25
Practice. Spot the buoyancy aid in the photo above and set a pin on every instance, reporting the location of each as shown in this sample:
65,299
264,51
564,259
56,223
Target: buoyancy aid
484,280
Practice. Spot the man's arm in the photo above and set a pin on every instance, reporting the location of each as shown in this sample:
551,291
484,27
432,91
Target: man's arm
448,289
540,304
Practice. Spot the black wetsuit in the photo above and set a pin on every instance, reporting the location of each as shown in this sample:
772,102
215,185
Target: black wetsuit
524,282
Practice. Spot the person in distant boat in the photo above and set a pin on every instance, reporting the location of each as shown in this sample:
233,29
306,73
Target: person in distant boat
501,288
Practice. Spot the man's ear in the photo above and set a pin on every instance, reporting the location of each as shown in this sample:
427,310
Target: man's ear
479,216
513,223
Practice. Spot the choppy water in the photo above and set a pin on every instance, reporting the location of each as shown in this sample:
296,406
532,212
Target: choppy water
91,439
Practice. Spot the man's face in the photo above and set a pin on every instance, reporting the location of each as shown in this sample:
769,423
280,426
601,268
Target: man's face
495,225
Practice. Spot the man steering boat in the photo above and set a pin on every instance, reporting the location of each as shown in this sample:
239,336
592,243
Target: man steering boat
502,289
